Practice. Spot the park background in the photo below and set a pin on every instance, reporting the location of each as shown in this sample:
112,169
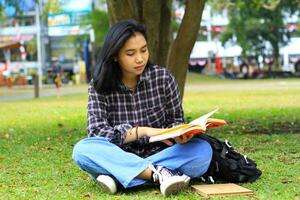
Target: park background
239,56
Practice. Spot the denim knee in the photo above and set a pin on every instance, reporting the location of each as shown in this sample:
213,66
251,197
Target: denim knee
77,153
80,158
84,151
206,149
202,158
206,159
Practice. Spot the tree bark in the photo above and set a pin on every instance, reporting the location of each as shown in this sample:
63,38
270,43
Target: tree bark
152,19
157,19
275,53
165,32
182,46
122,9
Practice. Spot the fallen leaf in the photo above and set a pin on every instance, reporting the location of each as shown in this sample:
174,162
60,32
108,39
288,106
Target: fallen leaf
2,158
49,148
285,180
155,192
87,195
279,142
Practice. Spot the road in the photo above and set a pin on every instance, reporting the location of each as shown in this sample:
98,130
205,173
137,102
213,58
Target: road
27,92
245,85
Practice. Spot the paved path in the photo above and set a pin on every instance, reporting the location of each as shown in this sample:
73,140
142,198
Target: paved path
27,92
245,85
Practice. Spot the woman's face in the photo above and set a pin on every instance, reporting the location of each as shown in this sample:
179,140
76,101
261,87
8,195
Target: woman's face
133,56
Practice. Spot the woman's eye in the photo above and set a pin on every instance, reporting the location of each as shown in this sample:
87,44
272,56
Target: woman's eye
130,54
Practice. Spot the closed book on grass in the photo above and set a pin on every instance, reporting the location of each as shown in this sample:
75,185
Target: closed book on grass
216,190
196,126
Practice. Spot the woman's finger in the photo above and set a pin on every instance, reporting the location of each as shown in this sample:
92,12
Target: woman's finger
167,142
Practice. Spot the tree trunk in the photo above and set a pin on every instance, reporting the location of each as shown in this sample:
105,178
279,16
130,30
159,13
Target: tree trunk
122,9
152,19
276,55
182,46
165,32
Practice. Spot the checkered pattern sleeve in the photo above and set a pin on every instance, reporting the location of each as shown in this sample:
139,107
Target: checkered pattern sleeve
174,112
97,120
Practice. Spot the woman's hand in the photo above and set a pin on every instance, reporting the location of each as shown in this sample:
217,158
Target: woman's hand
183,138
137,132
148,131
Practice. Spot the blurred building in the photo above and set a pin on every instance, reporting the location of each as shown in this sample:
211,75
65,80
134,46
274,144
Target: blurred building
70,36
31,39
208,47
18,40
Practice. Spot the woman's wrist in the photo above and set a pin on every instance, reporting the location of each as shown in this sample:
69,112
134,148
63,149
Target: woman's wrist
141,132
133,134
137,132
147,131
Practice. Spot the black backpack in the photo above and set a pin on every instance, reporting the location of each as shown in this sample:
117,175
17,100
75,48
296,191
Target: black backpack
227,164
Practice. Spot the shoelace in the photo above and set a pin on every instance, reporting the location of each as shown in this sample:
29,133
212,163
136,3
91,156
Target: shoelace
160,173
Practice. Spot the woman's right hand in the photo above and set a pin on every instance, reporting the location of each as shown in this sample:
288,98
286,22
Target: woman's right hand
148,131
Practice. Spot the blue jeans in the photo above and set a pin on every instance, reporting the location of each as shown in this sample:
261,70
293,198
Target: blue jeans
96,156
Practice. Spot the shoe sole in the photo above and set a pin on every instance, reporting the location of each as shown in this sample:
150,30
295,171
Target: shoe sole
174,185
107,183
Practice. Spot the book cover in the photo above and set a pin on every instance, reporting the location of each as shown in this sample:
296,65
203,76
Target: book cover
215,190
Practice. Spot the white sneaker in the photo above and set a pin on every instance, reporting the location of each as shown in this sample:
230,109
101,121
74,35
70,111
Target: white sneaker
107,183
170,181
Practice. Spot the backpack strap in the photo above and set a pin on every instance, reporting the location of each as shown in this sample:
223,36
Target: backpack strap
224,152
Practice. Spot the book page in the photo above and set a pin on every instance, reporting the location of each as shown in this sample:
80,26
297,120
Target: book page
177,131
202,120
175,128
212,122
196,126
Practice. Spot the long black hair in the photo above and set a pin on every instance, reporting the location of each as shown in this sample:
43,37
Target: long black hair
107,72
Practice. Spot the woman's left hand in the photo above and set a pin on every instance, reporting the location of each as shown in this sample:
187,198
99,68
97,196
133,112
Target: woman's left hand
183,138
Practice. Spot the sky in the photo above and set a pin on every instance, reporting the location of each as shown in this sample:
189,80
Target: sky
25,5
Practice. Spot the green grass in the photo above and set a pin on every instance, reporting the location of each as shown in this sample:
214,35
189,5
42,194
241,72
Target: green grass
37,137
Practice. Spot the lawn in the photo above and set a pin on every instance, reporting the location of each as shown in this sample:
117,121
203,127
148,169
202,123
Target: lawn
37,137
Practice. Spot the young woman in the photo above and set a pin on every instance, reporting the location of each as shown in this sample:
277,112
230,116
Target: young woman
129,101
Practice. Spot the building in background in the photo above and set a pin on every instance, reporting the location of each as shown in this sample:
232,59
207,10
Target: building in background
70,36
31,39
208,49
18,42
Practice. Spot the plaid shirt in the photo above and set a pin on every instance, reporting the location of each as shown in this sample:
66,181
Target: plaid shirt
155,103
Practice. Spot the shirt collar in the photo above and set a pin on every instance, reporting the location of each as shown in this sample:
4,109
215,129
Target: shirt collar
145,75
143,78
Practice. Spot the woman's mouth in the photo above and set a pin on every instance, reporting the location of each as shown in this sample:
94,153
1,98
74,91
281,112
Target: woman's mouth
140,67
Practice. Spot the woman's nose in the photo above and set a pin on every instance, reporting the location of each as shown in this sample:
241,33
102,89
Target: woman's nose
139,58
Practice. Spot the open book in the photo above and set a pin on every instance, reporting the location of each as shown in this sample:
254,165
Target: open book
196,126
